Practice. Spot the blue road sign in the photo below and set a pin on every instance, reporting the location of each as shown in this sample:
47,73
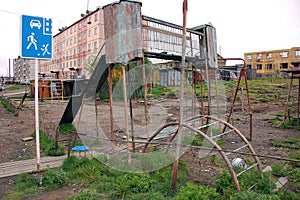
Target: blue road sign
36,41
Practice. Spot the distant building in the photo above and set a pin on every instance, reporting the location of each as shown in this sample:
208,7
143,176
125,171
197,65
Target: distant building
270,63
23,70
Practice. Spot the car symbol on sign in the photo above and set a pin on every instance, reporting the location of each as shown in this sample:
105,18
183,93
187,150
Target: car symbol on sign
35,23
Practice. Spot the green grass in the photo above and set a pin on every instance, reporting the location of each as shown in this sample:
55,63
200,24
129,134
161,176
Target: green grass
8,106
15,87
48,145
290,143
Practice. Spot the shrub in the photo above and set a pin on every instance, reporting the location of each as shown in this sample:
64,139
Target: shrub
25,186
250,195
261,182
192,191
66,128
85,195
54,179
279,170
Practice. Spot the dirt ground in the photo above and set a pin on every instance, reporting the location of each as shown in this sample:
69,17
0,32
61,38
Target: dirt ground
13,129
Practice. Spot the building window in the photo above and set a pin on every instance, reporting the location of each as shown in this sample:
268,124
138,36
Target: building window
96,17
84,34
74,62
74,51
90,20
259,66
78,50
78,61
71,41
71,52
95,45
258,57
75,28
71,63
283,65
297,53
284,54
89,46
95,31
269,66
74,40
79,38
89,33
79,26
269,55
249,66
249,57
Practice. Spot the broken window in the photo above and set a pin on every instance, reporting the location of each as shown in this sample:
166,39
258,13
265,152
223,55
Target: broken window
284,54
259,57
259,66
283,65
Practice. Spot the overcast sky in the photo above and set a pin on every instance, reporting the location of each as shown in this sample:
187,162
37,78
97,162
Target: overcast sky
242,25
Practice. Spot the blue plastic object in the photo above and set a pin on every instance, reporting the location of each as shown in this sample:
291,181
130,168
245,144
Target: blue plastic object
80,148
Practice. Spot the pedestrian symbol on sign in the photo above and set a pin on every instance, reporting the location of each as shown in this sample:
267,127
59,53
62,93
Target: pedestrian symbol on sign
32,41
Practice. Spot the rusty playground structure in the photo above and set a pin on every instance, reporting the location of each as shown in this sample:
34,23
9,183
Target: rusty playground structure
132,37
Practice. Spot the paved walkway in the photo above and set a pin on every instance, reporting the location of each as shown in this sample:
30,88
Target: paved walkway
17,167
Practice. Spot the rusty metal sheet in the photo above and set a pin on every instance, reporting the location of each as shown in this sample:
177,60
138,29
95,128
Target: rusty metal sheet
123,31
211,38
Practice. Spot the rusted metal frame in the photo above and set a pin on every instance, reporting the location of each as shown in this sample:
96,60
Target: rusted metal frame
207,75
193,89
161,31
96,110
126,113
171,25
131,113
213,149
223,155
241,136
242,73
179,138
145,93
287,100
111,116
235,130
158,132
217,96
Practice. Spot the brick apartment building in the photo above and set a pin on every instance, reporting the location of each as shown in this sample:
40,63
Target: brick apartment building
75,47
270,63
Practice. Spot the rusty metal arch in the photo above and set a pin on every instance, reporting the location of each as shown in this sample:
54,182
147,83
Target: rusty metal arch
211,140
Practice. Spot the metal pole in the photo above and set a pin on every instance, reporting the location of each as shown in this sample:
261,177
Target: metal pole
36,103
177,151
111,117
130,107
145,94
126,113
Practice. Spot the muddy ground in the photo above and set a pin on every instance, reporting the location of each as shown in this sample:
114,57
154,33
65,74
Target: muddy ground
14,129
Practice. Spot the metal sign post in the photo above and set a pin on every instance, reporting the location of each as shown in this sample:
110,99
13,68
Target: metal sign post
36,42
